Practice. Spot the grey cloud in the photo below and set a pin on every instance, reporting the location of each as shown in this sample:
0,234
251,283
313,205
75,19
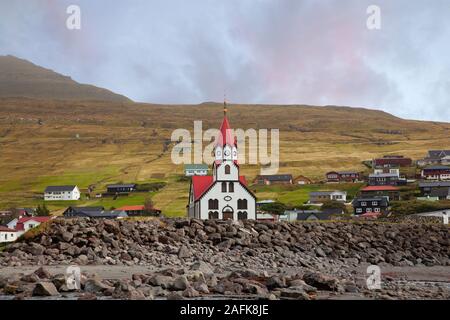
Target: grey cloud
262,51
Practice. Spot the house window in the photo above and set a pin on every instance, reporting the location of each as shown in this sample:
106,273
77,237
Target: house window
358,210
377,209
242,203
374,203
227,169
224,187
363,204
368,209
231,187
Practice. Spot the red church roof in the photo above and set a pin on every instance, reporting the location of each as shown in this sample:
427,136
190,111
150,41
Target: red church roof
226,136
200,184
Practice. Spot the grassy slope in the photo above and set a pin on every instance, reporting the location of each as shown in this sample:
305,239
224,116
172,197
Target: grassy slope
98,143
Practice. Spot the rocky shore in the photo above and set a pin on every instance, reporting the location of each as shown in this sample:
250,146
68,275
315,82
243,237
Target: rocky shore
198,259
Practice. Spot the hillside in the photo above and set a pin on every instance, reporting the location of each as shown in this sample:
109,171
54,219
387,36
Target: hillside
46,142
21,78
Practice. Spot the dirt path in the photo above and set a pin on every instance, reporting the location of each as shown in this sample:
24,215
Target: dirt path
435,273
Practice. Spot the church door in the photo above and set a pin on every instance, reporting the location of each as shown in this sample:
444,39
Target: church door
228,213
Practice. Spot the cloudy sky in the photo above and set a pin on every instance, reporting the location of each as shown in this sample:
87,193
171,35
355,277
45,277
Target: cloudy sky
257,51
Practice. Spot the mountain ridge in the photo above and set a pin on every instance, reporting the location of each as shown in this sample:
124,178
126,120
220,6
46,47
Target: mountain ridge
22,78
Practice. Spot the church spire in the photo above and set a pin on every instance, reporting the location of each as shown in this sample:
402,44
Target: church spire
225,105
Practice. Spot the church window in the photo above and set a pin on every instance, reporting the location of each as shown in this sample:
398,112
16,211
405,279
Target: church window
213,204
213,215
224,187
227,169
242,215
242,203
231,187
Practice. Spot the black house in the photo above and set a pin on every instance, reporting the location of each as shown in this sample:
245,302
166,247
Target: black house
120,188
440,189
73,211
370,205
383,179
94,212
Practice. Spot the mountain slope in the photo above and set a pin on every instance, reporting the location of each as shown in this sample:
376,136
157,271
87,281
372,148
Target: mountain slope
45,142
21,78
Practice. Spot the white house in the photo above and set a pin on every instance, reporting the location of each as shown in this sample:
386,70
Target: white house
53,193
7,234
395,171
23,224
224,194
323,196
195,170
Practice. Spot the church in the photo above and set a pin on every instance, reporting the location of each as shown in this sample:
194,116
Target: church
224,194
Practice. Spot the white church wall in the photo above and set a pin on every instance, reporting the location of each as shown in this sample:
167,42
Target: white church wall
239,193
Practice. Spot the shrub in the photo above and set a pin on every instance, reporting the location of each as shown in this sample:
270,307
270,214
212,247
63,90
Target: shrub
416,206
274,208
150,187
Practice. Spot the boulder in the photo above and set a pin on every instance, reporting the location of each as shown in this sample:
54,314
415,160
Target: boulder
181,283
42,273
45,289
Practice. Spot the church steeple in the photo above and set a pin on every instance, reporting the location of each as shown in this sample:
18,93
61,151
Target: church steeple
226,143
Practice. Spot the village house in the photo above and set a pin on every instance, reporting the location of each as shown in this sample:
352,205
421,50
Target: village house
342,176
435,157
195,170
303,215
267,217
436,173
273,179
324,196
435,189
61,193
120,188
383,179
139,210
388,169
313,216
392,160
225,194
91,212
377,205
73,210
23,224
7,234
302,180
391,192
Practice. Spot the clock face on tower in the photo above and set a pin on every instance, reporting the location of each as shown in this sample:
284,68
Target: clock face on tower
226,153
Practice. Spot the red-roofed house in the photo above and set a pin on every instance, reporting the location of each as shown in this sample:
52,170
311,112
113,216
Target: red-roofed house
225,194
7,234
393,193
24,224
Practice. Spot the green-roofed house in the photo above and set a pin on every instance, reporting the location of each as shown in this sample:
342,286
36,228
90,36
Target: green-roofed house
195,170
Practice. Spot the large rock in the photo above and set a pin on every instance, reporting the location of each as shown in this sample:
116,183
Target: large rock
184,252
322,281
95,285
42,273
181,283
203,267
45,289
